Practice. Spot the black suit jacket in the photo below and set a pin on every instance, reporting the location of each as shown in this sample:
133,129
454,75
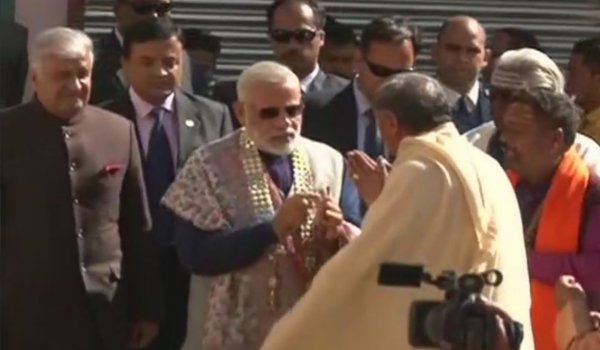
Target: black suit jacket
331,117
13,63
226,90
77,263
201,120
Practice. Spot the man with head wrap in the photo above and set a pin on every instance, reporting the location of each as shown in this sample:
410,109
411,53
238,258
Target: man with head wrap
519,69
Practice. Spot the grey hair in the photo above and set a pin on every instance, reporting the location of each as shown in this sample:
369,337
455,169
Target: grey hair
61,42
417,100
527,69
264,72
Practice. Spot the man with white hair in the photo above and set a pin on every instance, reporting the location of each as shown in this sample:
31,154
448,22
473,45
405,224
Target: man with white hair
445,205
78,269
259,212
519,69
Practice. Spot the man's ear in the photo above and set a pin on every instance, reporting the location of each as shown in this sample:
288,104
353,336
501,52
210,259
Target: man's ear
487,53
240,113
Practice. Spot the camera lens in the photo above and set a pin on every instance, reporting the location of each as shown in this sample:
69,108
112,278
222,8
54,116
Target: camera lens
468,284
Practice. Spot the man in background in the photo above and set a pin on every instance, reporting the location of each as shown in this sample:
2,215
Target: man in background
171,124
504,39
204,49
340,51
583,83
388,46
13,63
295,28
109,80
460,55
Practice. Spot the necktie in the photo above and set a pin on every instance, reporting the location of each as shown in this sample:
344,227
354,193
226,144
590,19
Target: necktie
462,116
373,145
159,176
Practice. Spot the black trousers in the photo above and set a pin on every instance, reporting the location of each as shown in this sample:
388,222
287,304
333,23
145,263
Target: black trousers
175,282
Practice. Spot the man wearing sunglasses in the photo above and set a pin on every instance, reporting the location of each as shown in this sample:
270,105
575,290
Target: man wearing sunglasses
259,212
460,55
344,119
109,81
295,28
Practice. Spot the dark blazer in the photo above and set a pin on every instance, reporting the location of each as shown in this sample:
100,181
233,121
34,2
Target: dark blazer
226,91
13,63
331,117
209,120
77,263
482,112
106,84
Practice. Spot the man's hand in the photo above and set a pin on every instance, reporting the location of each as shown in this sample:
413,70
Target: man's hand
568,289
329,218
368,175
292,214
143,334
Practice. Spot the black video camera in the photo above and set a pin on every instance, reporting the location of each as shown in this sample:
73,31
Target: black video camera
463,321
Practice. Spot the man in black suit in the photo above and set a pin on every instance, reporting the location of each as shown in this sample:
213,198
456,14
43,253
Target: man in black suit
295,28
170,124
460,54
13,63
343,119
109,81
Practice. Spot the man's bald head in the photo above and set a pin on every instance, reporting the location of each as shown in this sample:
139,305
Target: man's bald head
462,23
460,52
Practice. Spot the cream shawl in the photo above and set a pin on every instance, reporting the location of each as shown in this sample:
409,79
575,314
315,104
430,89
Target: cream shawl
445,205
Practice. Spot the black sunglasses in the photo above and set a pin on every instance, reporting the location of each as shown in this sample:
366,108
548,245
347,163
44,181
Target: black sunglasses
290,111
159,10
384,72
302,35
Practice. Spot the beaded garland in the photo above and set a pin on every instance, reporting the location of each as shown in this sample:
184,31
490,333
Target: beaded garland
262,204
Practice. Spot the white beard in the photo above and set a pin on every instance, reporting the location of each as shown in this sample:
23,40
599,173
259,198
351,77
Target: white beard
278,150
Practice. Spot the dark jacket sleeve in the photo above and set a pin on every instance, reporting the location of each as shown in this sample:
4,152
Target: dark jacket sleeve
350,200
140,255
227,125
212,253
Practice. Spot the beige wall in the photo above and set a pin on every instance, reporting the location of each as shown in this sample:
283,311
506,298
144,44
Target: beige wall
38,15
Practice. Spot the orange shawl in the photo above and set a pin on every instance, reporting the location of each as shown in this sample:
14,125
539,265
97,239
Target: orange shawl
557,232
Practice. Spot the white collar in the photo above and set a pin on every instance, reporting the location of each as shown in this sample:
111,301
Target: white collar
472,94
308,80
143,108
